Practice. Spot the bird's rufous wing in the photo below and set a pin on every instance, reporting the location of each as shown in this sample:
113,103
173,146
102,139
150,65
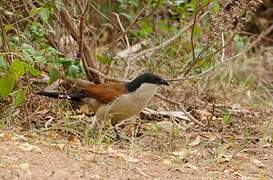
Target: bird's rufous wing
104,93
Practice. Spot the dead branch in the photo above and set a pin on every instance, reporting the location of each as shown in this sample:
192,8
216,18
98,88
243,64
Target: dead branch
166,43
181,108
88,57
105,76
261,37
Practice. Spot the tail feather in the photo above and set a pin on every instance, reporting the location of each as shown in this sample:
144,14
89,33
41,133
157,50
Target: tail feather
73,97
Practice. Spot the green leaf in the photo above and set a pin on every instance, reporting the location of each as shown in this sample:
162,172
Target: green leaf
215,8
3,63
58,4
226,119
104,59
73,70
17,68
30,54
53,76
8,27
7,83
33,71
19,97
196,31
45,13
34,11
105,9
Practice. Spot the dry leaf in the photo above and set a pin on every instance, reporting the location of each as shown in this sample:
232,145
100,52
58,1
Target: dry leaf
129,158
120,154
212,139
195,142
225,158
257,163
25,167
180,154
18,137
42,112
192,167
166,126
5,136
267,145
268,139
166,162
28,147
48,122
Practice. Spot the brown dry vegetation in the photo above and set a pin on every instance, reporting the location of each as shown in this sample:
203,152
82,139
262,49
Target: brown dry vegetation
229,93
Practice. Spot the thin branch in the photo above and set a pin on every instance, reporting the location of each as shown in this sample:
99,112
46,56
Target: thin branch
81,29
105,76
261,37
105,17
181,108
166,43
122,28
223,47
88,60
128,28
192,32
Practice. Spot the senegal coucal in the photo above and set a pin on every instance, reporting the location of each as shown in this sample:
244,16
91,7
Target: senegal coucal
117,101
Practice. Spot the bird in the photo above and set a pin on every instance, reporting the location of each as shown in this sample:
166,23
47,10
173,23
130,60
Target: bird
115,101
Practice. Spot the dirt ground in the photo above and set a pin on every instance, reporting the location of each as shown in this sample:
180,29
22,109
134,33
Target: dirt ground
22,157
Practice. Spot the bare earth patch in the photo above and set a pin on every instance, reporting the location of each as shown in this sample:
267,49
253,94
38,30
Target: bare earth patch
22,158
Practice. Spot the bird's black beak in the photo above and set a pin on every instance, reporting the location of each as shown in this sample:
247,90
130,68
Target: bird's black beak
164,82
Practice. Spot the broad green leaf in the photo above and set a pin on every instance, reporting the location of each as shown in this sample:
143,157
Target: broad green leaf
17,68
19,97
105,9
215,8
30,54
45,13
27,52
73,70
53,76
33,71
8,27
7,83
196,31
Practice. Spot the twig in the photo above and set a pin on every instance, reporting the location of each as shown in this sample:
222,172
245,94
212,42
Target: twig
88,60
223,47
128,28
100,13
81,29
104,76
181,108
192,31
261,36
166,43
122,28
184,77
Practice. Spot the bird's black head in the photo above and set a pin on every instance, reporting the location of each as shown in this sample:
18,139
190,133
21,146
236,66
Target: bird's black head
146,78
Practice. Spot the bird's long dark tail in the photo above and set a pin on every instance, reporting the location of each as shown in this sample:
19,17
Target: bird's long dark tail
73,96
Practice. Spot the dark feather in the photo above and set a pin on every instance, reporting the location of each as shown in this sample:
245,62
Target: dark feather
73,97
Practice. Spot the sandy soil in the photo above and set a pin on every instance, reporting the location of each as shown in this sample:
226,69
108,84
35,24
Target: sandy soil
21,158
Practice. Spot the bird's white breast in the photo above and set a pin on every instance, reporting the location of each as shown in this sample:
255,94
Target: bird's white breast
129,104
